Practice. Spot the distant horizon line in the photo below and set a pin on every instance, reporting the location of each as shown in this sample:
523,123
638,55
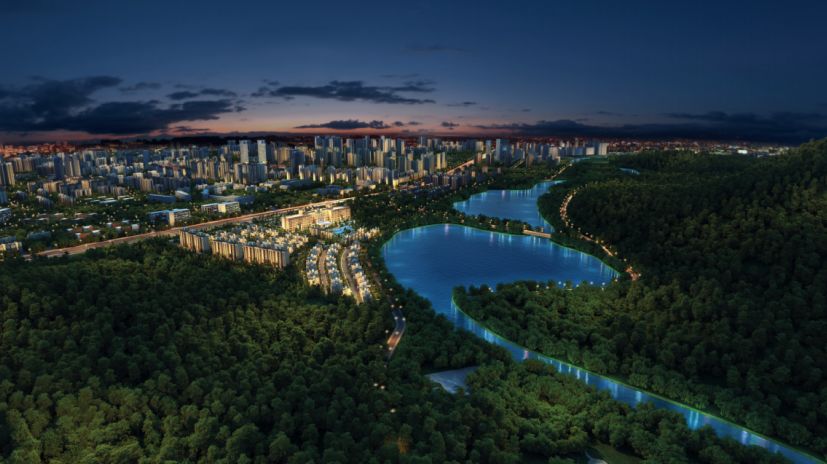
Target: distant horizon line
376,133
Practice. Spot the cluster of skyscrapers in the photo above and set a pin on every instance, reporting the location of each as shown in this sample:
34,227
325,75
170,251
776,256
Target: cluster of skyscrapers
175,173
330,159
504,152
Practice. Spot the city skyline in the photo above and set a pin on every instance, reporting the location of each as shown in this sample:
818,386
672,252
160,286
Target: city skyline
722,72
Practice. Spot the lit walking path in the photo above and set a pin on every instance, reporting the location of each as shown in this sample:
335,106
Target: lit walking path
564,215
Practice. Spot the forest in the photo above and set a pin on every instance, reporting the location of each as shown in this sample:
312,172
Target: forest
148,353
730,315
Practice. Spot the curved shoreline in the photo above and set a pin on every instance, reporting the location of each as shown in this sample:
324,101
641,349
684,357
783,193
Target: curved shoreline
552,242
550,359
522,201
552,239
790,452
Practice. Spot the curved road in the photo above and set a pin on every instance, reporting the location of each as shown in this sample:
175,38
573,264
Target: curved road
564,215
398,315
398,330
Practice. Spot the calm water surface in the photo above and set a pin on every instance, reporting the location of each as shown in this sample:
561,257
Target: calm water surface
432,260
509,204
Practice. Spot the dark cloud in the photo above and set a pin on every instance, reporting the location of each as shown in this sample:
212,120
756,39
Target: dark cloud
347,124
777,127
564,127
607,113
526,110
351,91
46,100
433,48
262,91
422,85
140,86
47,105
49,97
462,104
187,94
752,119
182,95
218,92
126,118
188,129
780,126
449,125
409,123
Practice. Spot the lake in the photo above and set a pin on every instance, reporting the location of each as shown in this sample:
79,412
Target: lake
509,204
434,259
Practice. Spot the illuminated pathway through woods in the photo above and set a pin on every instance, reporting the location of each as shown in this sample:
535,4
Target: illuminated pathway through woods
564,215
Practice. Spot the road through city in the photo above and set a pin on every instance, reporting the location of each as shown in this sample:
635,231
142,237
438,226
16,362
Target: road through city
73,250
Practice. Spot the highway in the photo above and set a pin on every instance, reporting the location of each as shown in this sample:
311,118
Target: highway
461,166
78,249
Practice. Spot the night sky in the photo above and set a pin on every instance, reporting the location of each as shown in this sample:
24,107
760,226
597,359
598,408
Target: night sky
726,70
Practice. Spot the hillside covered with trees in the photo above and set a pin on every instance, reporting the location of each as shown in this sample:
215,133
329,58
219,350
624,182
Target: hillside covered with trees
731,312
148,353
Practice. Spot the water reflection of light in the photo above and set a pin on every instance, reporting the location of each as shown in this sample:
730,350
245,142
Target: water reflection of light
693,420
408,259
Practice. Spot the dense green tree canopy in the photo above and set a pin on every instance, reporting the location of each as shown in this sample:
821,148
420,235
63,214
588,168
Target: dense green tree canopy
730,315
